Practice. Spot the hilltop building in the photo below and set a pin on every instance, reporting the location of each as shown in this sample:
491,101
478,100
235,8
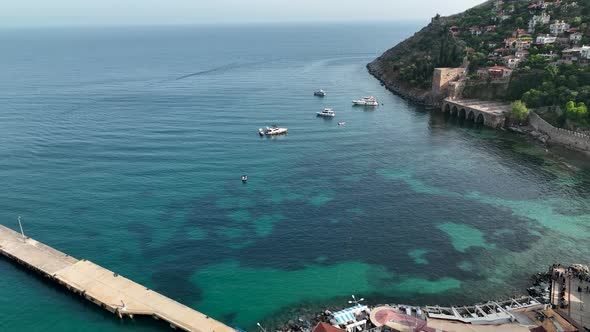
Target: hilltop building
521,54
517,44
511,61
576,37
495,73
475,31
546,39
519,33
558,28
542,19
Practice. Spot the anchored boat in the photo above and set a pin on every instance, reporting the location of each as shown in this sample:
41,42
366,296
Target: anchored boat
319,93
274,130
366,101
327,112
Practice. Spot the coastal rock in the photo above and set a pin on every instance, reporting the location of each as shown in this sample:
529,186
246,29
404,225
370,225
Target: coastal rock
406,69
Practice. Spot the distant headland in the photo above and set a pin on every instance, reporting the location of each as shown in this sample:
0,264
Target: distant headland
529,57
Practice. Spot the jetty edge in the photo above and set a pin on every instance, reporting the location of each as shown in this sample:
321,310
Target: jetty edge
101,286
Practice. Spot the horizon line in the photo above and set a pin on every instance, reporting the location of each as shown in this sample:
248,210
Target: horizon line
220,23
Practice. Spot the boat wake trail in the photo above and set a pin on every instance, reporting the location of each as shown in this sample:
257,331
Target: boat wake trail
222,68
212,70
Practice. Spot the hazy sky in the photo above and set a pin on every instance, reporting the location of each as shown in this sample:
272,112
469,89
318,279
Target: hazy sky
93,12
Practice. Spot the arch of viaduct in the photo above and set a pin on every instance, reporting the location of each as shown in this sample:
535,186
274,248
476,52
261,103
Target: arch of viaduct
490,114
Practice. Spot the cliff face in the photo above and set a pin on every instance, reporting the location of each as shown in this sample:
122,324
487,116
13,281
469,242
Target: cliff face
407,68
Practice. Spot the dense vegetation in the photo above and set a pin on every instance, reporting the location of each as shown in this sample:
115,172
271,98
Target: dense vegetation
539,80
412,61
519,111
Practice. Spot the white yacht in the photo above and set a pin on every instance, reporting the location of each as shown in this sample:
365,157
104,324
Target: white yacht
366,101
327,112
320,93
274,130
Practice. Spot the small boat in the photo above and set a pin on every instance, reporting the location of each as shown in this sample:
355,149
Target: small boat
260,131
320,93
327,112
275,130
342,123
366,101
244,178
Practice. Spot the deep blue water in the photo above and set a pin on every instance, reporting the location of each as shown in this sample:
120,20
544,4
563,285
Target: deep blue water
125,146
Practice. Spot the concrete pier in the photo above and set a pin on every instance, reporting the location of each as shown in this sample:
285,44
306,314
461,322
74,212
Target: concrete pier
103,287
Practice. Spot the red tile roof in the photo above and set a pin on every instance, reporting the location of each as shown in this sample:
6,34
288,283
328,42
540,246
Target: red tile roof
325,327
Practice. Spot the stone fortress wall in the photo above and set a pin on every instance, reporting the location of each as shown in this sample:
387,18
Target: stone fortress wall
571,139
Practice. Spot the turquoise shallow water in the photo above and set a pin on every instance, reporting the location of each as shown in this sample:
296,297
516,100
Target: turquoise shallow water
125,146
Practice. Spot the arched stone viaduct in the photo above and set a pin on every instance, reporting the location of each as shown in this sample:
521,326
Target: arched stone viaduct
490,114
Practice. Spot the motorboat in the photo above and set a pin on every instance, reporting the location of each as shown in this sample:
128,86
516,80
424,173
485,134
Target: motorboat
366,101
274,130
327,112
244,178
342,123
319,93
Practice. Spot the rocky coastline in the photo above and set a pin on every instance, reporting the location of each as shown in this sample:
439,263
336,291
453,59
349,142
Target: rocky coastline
305,320
397,87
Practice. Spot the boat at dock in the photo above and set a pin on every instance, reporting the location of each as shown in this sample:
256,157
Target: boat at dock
366,101
327,112
319,93
270,131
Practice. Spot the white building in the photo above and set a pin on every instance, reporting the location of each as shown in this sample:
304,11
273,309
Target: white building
546,39
585,52
538,20
511,61
558,27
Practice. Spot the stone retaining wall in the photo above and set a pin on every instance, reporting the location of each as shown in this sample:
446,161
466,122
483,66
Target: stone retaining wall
571,139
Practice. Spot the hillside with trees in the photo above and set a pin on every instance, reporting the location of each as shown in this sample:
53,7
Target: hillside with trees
537,50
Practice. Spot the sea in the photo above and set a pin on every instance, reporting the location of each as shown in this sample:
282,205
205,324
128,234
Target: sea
126,146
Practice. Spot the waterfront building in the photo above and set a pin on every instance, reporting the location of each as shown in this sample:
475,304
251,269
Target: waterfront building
325,327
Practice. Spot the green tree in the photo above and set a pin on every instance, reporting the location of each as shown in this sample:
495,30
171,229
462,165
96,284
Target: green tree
576,112
533,98
519,110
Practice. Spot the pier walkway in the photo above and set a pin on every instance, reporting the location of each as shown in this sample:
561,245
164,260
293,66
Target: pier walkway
105,288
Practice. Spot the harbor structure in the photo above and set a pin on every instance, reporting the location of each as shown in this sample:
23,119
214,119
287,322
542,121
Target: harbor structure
101,286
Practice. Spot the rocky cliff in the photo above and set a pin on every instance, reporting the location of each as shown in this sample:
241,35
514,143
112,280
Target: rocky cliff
407,68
